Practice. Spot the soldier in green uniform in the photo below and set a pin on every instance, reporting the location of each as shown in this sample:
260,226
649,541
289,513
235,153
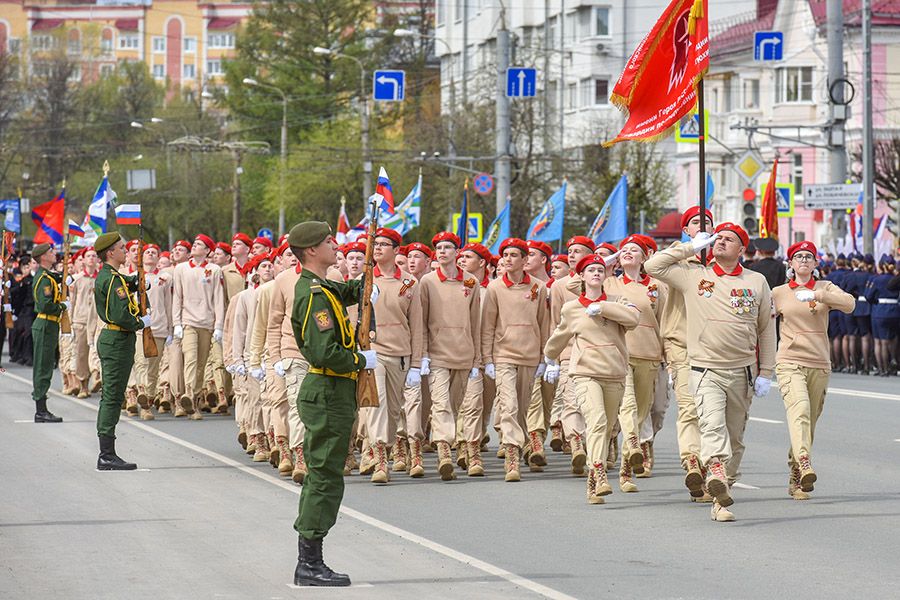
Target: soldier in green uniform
327,398
46,289
114,296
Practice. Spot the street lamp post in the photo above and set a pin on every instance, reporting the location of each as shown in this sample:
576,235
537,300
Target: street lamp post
254,83
363,117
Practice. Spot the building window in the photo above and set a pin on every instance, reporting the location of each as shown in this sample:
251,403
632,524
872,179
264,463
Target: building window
585,89
129,41
458,12
159,71
751,93
553,32
190,45
189,72
601,92
220,40
601,21
793,84
159,44
15,45
106,41
214,67
107,70
572,96
440,12
42,42
552,95
74,45
526,37
75,76
797,174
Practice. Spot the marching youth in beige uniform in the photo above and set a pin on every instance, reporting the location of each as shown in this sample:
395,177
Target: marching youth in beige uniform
85,324
803,363
174,359
730,327
514,330
596,324
417,398
159,297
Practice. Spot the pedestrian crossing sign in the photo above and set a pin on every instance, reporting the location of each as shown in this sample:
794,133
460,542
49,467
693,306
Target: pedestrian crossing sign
476,226
784,197
688,129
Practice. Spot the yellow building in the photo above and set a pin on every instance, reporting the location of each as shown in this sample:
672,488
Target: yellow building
183,42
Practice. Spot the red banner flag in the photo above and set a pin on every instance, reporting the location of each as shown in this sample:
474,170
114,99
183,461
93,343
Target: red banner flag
658,86
48,219
768,220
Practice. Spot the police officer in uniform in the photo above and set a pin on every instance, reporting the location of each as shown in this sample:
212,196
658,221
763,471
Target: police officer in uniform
46,290
117,306
327,398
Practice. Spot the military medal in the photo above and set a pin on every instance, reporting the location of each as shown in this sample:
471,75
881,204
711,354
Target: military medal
533,294
705,288
652,292
741,300
812,307
407,284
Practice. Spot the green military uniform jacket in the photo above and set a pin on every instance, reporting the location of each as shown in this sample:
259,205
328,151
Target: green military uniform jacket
46,289
114,295
321,327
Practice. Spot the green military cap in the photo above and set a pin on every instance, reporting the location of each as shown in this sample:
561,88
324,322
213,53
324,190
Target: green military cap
40,250
106,240
309,234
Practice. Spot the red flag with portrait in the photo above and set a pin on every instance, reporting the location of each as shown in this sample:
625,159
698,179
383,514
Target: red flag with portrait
658,86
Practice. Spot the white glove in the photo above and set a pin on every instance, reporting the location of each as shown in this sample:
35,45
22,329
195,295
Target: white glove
178,332
147,281
761,387
230,369
413,378
375,293
594,309
473,374
806,295
8,284
703,240
15,318
541,368
69,280
612,258
371,358
426,366
489,370
279,368
7,307
551,374
217,335
168,340
67,336
146,320
258,373
240,369
67,304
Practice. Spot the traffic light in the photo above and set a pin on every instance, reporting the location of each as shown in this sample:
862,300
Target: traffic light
751,219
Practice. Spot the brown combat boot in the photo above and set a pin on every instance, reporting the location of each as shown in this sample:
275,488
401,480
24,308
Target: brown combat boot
445,461
146,414
807,475
185,404
349,463
603,487
794,489
579,457
242,433
166,401
209,394
298,469
717,482
536,459
381,473
251,445
286,464
593,497
647,454
69,387
626,479
261,453
142,398
401,456
693,479
367,459
83,391
632,450
556,437
415,459
720,513
222,406
131,405
98,382
462,454
511,463
274,450
476,465
612,453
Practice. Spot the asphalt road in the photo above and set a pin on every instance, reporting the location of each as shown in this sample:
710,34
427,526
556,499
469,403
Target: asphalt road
200,520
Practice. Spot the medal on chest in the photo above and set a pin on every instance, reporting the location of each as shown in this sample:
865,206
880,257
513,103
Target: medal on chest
206,275
812,307
406,287
705,288
468,286
653,292
533,293
742,300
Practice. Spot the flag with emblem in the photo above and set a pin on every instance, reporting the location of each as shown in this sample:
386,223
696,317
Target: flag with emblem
547,226
611,224
49,219
408,213
498,230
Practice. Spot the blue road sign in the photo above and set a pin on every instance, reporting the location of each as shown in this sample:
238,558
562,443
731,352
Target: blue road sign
483,184
768,46
265,233
521,83
388,86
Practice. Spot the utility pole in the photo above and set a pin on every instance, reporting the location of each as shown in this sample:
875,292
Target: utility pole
836,150
501,163
465,53
868,137
281,186
236,188
546,98
562,76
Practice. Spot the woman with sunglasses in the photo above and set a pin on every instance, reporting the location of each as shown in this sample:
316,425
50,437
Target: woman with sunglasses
803,365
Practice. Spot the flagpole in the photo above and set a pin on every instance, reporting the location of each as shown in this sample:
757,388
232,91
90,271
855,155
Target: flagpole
702,176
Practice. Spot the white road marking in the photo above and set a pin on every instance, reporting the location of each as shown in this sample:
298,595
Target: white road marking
744,486
897,440
463,558
24,421
861,394
760,420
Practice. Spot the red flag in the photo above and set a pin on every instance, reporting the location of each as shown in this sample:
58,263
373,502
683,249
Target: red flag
658,86
768,220
49,218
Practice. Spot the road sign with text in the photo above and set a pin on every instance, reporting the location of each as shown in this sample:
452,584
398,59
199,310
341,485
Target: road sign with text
832,195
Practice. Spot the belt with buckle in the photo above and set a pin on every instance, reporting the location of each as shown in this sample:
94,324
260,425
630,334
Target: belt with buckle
48,317
330,373
112,327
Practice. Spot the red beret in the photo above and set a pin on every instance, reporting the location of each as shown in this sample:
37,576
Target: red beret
280,250
282,239
608,246
243,238
583,240
480,250
255,261
590,259
692,212
514,243
206,240
362,237
403,250
419,246
735,229
635,239
563,258
495,260
130,243
226,248
804,246
446,236
354,247
183,243
651,243
390,234
541,247
264,241
166,254
148,246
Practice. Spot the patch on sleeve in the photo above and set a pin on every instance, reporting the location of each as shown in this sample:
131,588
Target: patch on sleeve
323,320
48,291
121,292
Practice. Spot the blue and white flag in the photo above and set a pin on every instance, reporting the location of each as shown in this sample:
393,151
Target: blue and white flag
104,199
611,224
407,214
547,226
498,230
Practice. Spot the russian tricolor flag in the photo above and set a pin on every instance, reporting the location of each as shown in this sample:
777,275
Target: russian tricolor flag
75,229
383,187
128,214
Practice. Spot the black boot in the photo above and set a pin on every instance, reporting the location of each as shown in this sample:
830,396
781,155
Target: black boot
311,569
42,415
108,459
